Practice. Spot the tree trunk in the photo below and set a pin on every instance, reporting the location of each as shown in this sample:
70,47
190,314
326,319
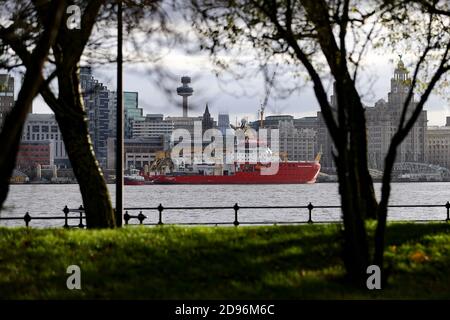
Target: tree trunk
356,122
12,130
74,129
355,183
95,194
368,201
355,251
383,209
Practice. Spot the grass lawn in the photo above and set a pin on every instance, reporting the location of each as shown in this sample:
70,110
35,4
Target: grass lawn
275,262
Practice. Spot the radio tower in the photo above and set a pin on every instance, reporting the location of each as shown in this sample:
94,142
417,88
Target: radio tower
185,91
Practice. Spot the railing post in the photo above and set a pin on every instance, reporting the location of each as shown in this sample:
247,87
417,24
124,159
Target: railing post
66,222
310,208
27,219
447,205
118,218
160,210
126,217
81,225
236,209
141,217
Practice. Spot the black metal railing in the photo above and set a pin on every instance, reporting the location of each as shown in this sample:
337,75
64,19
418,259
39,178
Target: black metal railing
162,211
27,218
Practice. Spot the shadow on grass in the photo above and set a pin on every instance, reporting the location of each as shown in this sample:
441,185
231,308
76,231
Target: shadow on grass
286,262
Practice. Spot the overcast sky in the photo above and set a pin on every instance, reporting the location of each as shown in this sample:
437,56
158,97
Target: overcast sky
243,98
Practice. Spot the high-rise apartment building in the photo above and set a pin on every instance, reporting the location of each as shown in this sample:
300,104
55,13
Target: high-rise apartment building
6,96
97,103
112,113
132,112
223,122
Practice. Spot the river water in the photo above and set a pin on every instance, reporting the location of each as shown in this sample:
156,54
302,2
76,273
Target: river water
49,200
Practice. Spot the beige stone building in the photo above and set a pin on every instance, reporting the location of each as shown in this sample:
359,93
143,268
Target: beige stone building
382,121
438,145
298,144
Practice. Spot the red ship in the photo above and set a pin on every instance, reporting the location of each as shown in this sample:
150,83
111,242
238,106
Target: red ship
241,171
288,173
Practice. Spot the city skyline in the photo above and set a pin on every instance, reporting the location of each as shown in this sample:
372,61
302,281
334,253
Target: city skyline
301,138
206,90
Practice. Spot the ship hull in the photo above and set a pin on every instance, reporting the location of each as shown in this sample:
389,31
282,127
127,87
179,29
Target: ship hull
288,173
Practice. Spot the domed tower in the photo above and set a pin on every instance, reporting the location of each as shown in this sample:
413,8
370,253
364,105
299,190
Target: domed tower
400,84
185,91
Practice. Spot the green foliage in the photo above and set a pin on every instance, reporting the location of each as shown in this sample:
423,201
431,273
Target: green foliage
288,262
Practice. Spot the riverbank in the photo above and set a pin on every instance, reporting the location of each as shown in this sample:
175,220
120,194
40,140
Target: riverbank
288,262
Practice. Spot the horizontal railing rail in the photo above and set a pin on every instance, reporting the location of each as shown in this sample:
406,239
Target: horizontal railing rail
141,217
27,217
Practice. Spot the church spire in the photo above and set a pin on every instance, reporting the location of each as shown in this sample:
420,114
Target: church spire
207,121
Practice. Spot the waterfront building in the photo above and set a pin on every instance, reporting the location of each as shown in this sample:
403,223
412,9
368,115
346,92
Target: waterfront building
297,144
44,128
6,96
274,121
34,153
97,104
325,143
438,145
132,112
112,107
138,152
152,125
186,123
382,121
223,122
306,123
297,137
18,177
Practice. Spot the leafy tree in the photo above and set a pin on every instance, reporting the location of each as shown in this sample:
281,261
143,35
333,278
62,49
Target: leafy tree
33,78
67,104
332,37
87,43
